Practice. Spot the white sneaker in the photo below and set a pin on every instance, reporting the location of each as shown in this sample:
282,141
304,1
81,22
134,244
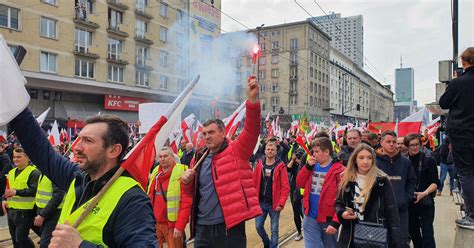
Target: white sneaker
298,237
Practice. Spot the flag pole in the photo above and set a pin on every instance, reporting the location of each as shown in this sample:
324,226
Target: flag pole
120,170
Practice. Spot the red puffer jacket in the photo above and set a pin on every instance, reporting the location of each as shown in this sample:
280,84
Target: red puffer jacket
280,185
327,199
232,174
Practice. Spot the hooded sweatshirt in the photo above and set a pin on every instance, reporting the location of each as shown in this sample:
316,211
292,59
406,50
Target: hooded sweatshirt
402,176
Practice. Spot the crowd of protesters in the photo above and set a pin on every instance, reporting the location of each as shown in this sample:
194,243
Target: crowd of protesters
335,185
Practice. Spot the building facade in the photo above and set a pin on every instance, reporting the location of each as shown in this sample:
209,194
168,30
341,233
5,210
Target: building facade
89,56
347,34
293,70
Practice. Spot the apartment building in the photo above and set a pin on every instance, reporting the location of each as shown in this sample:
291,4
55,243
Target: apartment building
90,56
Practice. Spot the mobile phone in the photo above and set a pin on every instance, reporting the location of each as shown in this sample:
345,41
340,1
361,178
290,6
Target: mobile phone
19,54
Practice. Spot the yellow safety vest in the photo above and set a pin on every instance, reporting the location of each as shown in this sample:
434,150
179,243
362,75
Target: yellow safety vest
18,183
180,153
92,226
45,193
290,152
173,192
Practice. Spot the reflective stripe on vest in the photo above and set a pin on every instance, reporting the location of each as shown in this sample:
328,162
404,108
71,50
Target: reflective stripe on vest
290,152
45,193
18,183
91,229
173,192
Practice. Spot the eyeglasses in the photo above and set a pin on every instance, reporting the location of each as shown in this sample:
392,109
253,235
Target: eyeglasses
415,145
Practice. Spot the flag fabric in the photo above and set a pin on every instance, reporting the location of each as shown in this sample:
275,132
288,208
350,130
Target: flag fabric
186,126
3,136
140,159
433,126
380,127
40,119
13,95
236,123
412,124
54,136
72,157
304,125
232,120
301,142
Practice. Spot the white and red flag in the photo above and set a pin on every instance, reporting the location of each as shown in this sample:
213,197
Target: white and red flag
233,121
412,124
40,119
54,137
186,126
140,159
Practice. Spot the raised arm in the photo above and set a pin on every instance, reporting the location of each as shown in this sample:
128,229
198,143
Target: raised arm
39,150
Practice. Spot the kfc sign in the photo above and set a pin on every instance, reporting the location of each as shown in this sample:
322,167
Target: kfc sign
113,102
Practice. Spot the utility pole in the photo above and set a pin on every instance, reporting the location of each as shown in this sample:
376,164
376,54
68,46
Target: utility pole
343,93
455,22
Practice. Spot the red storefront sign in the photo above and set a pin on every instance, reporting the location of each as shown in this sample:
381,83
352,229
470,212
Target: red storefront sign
123,103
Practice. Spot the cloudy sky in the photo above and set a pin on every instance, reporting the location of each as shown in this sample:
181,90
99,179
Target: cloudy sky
420,30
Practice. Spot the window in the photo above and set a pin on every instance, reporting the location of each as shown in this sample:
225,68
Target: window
84,68
263,87
293,57
311,87
262,46
83,40
48,62
180,63
88,4
163,82
275,59
275,45
163,34
164,10
9,17
277,32
46,94
275,87
142,55
293,100
293,44
33,93
48,27
275,73
275,101
311,58
141,28
141,4
293,87
311,101
53,2
141,78
262,60
261,74
179,16
12,48
115,74
115,48
115,18
163,58
311,72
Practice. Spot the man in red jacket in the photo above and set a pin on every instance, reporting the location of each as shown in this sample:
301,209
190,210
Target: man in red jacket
320,178
171,199
224,191
271,182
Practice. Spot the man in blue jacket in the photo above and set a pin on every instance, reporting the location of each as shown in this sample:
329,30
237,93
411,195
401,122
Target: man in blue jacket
104,139
401,175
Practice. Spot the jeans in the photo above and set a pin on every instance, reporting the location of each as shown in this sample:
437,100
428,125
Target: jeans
445,170
19,222
463,155
315,234
216,236
421,225
404,226
295,198
48,227
260,222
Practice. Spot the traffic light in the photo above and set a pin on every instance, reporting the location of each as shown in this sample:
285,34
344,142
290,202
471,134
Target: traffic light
358,107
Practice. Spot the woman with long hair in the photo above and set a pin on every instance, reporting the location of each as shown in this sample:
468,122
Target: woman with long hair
366,194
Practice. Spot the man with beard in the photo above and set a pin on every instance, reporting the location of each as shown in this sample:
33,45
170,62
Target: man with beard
401,175
124,216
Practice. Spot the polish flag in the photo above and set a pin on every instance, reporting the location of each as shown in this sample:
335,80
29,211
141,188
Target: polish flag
3,136
412,124
140,159
231,120
54,136
40,119
72,156
198,141
236,123
186,125
433,126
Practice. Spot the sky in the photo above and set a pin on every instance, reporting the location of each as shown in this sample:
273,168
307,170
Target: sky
419,30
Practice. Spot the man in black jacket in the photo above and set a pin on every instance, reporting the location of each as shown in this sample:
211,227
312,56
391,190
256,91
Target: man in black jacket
460,127
104,139
188,154
401,175
5,167
354,138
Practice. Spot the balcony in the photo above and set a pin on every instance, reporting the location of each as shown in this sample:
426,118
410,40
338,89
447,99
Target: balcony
140,11
116,59
115,29
144,64
81,18
141,37
118,5
84,52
